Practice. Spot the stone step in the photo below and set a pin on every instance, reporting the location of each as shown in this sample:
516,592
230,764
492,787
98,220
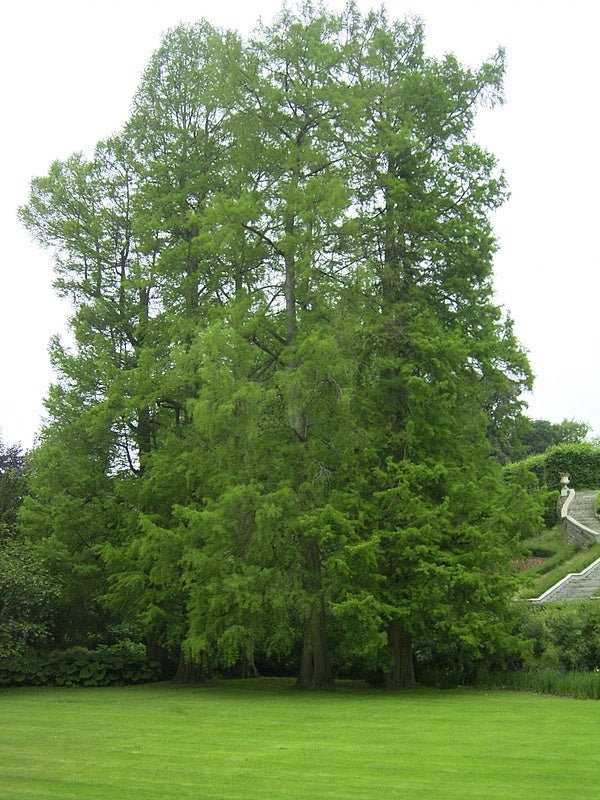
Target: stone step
575,583
571,594
585,584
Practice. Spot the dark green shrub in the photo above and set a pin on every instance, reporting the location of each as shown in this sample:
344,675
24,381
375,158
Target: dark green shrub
28,597
106,666
561,636
553,649
550,507
542,551
530,472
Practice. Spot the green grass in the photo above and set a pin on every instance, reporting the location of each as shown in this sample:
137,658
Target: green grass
551,542
547,681
263,740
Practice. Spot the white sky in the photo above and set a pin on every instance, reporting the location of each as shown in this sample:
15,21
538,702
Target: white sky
69,72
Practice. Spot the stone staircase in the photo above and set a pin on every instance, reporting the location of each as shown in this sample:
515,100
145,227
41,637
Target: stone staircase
575,586
583,510
580,515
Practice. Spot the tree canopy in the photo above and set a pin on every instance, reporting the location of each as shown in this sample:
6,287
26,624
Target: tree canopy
274,425
539,435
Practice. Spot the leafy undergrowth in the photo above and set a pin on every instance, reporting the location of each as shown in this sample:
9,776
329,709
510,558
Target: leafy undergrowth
106,666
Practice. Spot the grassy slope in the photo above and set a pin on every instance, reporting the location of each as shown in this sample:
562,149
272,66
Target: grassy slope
576,563
565,558
264,740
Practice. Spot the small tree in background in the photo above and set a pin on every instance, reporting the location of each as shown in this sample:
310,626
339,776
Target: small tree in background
13,484
27,598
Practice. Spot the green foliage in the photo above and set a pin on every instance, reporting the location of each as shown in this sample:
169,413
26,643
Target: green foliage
580,460
115,665
559,636
287,361
13,485
539,435
70,512
521,437
552,649
528,503
28,598
550,507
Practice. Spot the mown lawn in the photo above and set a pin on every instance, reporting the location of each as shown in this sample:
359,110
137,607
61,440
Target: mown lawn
263,740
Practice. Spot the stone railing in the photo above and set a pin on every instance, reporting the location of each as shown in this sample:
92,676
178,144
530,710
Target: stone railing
560,591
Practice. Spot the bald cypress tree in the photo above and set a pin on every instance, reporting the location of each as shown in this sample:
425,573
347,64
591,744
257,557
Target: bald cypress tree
287,343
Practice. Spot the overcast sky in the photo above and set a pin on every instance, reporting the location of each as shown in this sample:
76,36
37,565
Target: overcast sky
69,72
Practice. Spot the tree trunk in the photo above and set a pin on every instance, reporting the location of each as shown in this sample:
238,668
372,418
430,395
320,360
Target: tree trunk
315,669
191,673
401,674
144,437
144,417
244,667
159,654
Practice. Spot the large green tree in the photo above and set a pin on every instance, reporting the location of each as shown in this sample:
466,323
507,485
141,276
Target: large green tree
288,364
443,365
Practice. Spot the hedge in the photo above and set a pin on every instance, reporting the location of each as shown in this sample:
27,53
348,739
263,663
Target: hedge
581,461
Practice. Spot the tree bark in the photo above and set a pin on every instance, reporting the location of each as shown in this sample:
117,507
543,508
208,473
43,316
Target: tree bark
159,654
191,673
401,674
315,669
144,417
144,437
244,667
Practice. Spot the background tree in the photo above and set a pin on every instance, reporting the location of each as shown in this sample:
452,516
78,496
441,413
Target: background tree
521,436
13,484
27,598
538,435
27,593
